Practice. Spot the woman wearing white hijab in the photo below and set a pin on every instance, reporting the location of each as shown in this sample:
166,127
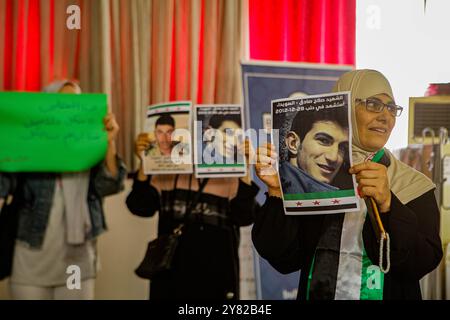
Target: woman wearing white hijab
339,255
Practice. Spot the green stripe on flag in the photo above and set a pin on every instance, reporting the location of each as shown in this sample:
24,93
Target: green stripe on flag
378,156
224,165
372,280
171,106
320,195
310,276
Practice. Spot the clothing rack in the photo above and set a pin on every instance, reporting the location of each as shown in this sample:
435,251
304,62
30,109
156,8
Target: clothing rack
445,205
436,285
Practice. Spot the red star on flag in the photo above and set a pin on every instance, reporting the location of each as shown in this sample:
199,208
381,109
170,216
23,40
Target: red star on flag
316,203
299,204
335,201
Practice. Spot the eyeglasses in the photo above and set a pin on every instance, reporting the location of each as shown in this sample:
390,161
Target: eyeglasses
377,106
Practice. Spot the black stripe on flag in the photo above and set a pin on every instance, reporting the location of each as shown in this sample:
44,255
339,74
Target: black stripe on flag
340,207
326,264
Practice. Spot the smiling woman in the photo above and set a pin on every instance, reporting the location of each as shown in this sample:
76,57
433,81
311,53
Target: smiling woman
375,121
339,254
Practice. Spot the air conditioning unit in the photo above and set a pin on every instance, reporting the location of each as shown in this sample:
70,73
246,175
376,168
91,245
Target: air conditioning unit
427,115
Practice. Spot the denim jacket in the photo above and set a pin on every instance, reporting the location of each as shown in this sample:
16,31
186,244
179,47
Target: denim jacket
7,184
36,192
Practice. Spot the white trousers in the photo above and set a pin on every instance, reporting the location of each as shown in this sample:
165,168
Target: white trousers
25,292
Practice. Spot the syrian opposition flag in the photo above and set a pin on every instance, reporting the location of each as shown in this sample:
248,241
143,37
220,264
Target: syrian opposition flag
341,268
321,202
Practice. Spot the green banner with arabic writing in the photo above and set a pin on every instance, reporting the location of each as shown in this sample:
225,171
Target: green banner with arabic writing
51,132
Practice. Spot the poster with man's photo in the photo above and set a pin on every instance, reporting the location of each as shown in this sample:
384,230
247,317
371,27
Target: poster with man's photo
168,126
314,149
219,141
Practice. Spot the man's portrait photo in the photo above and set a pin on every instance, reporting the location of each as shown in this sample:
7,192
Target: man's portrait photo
168,151
219,140
162,143
317,151
314,148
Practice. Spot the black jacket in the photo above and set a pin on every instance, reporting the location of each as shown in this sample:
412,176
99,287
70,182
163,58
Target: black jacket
206,262
289,242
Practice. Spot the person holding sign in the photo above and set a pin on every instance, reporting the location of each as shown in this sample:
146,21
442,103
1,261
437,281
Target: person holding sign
206,260
60,216
344,255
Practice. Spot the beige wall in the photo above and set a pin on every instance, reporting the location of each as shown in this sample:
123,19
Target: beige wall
120,250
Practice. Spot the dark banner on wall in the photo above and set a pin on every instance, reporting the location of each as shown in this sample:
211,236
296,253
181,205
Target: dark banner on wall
264,81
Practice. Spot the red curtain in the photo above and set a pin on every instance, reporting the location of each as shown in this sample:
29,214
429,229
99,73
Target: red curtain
29,49
22,46
320,31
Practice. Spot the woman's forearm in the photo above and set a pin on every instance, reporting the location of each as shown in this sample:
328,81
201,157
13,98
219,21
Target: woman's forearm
111,160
